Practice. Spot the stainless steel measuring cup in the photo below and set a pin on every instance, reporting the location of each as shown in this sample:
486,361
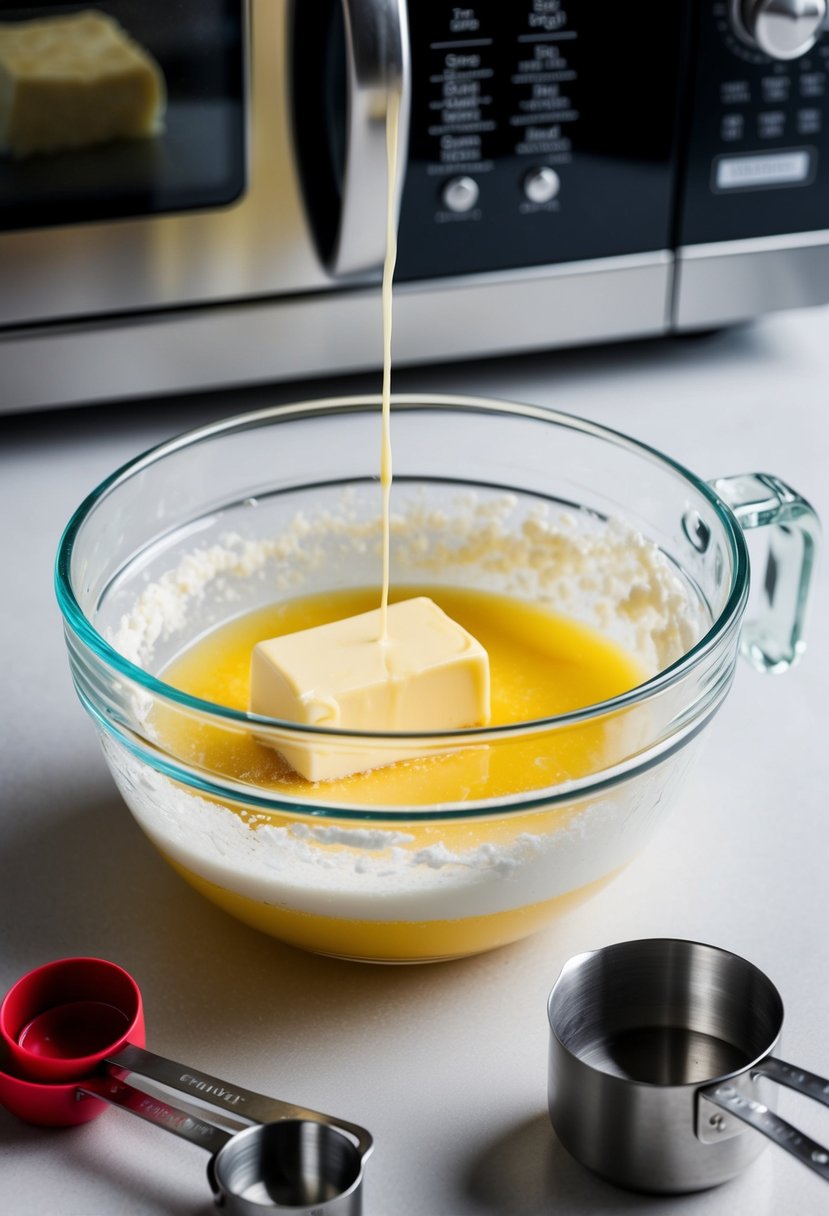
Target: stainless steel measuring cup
267,1155
660,1063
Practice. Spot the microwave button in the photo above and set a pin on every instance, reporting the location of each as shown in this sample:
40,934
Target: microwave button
812,84
775,89
771,124
542,185
735,92
460,194
784,29
809,122
732,127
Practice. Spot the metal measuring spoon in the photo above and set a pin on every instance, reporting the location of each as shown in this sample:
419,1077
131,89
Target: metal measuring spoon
57,1026
266,1154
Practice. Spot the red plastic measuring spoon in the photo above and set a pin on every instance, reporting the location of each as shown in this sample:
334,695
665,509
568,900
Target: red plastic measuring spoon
60,1021
57,1025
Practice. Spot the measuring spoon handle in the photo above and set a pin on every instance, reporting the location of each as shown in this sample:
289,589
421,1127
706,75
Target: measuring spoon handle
156,1111
240,1107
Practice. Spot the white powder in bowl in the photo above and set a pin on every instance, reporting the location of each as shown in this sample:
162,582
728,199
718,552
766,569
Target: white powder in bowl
376,874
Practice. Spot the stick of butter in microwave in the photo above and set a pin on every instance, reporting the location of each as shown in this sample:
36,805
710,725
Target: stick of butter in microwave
74,81
428,675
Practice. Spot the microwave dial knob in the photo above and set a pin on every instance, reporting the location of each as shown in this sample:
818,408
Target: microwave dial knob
460,194
542,185
784,29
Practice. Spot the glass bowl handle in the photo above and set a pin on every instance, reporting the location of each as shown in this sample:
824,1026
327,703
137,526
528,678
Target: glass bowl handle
773,639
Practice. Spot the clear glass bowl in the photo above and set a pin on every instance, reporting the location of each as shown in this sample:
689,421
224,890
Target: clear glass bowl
487,495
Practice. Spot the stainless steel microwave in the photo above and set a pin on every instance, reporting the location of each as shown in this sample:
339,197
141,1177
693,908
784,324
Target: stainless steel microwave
571,172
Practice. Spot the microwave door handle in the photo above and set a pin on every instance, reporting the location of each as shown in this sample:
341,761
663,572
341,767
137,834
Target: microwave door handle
377,65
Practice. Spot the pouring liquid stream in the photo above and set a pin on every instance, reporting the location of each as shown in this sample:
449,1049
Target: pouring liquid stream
392,129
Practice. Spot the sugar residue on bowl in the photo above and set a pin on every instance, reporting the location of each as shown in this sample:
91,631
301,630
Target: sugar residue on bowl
602,571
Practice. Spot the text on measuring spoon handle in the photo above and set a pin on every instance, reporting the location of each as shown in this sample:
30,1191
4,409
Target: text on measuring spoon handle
154,1110
240,1107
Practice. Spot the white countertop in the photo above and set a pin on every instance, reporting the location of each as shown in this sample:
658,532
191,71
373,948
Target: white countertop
446,1064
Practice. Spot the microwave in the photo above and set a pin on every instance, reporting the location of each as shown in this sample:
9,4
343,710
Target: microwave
569,172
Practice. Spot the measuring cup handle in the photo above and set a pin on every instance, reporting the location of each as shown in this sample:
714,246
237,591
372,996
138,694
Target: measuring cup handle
773,640
239,1106
748,1110
807,1083
154,1110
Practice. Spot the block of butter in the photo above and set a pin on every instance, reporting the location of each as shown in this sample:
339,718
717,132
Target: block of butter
72,81
428,675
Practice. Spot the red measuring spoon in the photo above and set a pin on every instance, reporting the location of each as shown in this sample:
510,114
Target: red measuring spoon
60,1021
58,1024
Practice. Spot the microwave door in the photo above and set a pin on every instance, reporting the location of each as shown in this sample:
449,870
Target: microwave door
202,206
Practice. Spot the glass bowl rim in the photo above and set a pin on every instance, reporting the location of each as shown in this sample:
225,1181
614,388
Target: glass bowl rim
85,631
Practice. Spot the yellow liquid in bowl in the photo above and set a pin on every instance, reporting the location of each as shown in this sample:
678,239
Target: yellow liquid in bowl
541,664
393,941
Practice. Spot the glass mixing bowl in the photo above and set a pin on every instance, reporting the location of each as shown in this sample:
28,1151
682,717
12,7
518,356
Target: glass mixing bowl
487,495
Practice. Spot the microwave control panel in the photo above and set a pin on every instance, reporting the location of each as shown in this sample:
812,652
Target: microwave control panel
542,131
757,122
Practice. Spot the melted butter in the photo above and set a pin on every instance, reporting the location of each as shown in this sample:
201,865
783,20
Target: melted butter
541,664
